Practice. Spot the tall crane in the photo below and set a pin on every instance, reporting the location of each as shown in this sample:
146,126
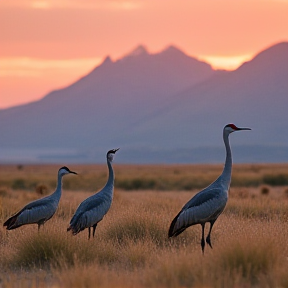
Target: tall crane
41,210
93,209
208,204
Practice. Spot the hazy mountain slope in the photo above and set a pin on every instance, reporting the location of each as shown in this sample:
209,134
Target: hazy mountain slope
102,105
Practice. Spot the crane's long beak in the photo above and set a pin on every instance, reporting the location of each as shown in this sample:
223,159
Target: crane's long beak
244,128
114,150
73,172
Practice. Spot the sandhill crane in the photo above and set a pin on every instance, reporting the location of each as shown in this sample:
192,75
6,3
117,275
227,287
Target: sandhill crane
41,210
209,203
93,209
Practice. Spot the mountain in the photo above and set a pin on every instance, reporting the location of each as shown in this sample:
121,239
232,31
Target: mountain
98,107
253,95
165,106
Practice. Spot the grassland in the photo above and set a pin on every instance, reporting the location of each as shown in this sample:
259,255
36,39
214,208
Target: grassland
130,248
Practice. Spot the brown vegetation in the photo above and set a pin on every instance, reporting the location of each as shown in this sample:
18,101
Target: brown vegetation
131,248
141,177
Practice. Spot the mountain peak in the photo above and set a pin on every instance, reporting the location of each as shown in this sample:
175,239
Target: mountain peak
172,49
174,52
140,50
106,61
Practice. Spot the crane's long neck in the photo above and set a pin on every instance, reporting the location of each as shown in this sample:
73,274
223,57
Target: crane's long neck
58,190
226,174
110,183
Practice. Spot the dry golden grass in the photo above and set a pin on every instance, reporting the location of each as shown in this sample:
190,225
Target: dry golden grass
131,248
140,177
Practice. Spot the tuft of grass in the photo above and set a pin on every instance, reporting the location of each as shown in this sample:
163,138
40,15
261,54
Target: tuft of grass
139,228
44,250
249,260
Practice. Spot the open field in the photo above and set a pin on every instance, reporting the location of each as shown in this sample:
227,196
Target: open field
130,248
141,177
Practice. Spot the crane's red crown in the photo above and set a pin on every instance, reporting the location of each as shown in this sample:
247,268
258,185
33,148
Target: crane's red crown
232,126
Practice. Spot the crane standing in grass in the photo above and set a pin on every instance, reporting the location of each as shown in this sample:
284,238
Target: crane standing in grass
93,209
41,210
209,203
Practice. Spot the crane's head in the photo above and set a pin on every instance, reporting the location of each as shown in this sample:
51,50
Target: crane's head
65,170
111,153
229,128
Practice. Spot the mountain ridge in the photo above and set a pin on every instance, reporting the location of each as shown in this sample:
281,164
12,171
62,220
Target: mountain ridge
150,101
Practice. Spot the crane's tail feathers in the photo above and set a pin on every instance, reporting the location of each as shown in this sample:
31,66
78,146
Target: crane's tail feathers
10,223
74,230
175,232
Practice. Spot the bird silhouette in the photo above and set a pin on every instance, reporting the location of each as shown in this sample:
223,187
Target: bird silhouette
92,210
41,210
208,204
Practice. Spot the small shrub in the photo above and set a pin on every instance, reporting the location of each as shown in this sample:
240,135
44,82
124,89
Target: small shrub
41,189
20,167
264,190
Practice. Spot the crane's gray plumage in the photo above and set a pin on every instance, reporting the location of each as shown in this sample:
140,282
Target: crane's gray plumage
41,210
209,203
93,209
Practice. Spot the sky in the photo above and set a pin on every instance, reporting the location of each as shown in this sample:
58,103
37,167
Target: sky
49,44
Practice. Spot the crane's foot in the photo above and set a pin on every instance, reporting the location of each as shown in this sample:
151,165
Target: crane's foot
94,228
209,241
202,245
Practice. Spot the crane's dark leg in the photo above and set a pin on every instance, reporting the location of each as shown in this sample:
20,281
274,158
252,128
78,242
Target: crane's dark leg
41,222
39,225
202,239
208,240
94,228
89,232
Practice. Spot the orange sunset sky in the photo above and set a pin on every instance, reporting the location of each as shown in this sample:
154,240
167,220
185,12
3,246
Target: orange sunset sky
48,44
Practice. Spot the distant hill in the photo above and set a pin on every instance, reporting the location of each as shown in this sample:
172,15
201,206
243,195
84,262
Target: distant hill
150,105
